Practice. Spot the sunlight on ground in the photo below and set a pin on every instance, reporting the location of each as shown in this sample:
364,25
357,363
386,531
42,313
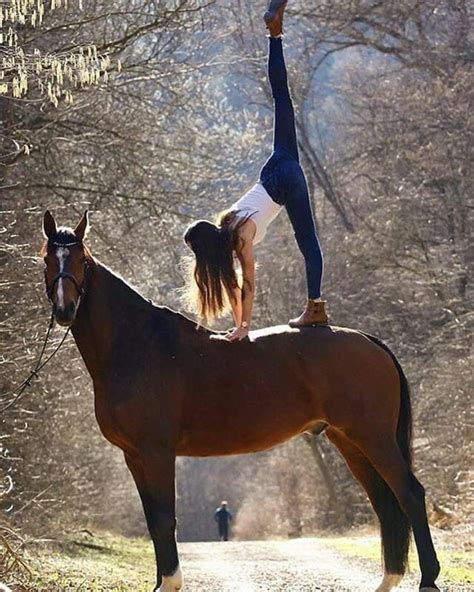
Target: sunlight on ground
456,566
110,563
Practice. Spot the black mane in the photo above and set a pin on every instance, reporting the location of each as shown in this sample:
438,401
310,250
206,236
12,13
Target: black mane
132,293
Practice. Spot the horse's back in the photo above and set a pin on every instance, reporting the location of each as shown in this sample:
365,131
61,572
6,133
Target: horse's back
301,354
315,333
319,340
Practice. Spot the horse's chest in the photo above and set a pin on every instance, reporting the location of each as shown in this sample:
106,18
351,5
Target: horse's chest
106,420
111,424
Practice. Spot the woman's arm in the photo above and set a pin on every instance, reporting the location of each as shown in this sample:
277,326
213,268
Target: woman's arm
235,299
247,261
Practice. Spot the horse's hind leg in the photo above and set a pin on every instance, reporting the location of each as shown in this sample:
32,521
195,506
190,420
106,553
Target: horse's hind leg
394,526
384,454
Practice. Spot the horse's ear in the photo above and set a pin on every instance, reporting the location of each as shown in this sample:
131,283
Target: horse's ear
81,229
49,225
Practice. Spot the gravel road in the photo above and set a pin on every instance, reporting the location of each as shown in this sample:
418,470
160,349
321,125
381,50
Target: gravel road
300,565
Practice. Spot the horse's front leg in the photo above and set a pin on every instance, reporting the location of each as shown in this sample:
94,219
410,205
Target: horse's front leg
154,475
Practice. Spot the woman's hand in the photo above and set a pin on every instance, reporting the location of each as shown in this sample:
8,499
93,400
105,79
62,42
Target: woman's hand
237,334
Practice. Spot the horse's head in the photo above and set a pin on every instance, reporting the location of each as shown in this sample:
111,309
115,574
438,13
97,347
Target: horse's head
67,262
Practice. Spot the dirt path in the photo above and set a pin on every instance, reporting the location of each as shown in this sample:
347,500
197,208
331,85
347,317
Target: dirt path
302,565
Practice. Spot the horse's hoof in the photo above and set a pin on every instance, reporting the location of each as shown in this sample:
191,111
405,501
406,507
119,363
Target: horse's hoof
165,587
389,581
172,583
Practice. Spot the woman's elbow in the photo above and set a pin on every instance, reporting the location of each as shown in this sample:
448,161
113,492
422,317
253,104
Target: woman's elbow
248,290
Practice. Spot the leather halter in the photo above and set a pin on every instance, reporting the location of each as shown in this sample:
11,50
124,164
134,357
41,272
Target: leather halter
81,288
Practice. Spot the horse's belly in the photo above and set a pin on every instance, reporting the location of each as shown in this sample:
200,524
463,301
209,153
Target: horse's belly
233,443
239,433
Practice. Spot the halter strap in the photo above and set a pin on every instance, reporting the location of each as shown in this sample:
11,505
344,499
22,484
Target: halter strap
67,276
71,244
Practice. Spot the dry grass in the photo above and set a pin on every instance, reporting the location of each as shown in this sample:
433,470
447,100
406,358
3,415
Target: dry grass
13,566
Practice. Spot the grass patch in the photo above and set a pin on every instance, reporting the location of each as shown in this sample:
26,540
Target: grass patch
104,563
457,567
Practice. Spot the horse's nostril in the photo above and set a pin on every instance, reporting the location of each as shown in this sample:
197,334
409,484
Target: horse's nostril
66,314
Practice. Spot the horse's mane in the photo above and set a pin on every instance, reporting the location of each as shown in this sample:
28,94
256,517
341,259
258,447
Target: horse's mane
163,311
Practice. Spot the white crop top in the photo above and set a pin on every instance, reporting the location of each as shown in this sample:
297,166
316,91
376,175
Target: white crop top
260,207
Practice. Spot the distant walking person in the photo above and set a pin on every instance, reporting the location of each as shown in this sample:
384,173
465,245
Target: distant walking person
222,516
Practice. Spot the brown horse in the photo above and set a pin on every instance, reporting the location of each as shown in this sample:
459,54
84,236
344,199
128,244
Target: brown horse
164,388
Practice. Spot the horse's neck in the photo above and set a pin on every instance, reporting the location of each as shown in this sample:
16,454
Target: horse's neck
110,315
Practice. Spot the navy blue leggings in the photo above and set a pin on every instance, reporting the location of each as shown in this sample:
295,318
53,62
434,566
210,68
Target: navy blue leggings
282,175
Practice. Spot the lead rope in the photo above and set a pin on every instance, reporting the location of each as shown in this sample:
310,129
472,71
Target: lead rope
18,392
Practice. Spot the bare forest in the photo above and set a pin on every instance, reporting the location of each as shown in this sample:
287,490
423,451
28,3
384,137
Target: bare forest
153,113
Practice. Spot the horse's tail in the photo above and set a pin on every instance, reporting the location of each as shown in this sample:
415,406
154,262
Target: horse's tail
404,428
395,527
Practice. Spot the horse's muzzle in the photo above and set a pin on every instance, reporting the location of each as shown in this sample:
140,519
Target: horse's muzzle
65,316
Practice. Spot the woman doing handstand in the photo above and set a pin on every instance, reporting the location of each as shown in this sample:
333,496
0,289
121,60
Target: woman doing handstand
282,184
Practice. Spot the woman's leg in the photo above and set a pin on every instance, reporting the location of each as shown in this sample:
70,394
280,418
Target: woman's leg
298,206
284,116
285,144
